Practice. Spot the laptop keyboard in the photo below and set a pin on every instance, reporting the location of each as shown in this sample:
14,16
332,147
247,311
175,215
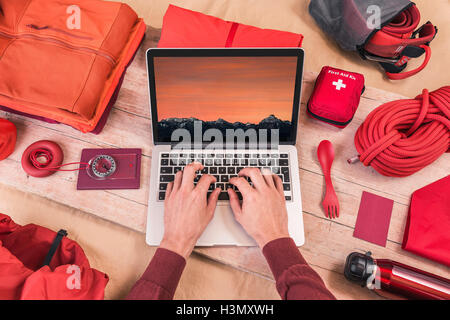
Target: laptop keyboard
223,166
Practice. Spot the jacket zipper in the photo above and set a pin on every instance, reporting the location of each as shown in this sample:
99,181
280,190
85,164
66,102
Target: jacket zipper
60,42
33,26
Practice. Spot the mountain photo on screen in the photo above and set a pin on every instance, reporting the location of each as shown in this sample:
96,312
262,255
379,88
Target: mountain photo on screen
224,93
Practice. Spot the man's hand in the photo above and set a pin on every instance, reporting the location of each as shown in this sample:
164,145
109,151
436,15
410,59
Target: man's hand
187,210
263,211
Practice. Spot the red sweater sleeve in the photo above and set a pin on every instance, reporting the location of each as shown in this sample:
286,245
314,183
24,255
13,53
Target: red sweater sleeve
161,278
295,279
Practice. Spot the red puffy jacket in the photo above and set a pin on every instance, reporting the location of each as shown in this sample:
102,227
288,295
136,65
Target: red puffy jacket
38,263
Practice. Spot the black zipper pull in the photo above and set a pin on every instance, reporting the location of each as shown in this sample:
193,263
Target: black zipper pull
33,26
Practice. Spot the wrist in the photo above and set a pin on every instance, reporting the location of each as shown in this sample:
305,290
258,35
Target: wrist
183,248
265,239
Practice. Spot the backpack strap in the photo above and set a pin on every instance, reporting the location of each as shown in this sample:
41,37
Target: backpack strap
412,47
61,233
398,75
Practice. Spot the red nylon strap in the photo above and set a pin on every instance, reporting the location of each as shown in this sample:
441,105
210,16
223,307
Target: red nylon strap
391,41
407,74
46,157
231,35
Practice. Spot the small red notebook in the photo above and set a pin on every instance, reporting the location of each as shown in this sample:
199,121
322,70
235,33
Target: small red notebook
373,220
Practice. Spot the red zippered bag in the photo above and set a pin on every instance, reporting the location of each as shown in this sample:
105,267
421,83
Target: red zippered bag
336,96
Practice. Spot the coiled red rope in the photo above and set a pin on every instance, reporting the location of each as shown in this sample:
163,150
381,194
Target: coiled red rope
401,137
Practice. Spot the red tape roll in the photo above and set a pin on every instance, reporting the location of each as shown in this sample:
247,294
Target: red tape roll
49,150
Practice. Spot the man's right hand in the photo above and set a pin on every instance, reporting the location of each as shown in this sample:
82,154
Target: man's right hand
263,211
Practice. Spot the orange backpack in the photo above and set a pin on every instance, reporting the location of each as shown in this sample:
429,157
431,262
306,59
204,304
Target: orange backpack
63,60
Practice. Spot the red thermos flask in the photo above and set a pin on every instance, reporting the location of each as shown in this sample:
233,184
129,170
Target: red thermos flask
395,280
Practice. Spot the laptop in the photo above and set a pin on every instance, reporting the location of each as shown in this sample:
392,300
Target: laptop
227,109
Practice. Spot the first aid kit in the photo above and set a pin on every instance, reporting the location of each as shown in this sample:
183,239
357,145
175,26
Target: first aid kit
385,31
64,60
38,263
336,96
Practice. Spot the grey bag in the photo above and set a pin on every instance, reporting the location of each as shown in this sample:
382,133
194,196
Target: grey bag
352,22
379,30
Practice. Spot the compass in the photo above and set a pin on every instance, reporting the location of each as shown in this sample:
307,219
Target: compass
102,166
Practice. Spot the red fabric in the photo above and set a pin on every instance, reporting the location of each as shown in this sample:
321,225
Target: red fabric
8,136
407,74
336,96
184,28
295,278
393,38
427,228
22,252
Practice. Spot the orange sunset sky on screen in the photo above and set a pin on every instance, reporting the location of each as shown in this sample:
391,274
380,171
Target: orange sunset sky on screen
245,89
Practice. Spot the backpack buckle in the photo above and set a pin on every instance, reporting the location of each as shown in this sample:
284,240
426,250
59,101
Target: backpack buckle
371,57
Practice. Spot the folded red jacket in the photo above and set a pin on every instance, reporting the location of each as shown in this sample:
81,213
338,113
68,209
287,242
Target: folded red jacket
428,224
184,28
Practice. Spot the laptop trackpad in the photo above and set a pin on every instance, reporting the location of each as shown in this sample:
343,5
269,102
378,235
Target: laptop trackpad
224,229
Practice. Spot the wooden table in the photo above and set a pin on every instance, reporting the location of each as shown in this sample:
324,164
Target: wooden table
328,242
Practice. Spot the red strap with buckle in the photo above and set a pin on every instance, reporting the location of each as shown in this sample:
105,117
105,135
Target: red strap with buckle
399,41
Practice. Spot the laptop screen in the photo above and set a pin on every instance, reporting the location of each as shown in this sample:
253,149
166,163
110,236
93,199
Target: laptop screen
224,94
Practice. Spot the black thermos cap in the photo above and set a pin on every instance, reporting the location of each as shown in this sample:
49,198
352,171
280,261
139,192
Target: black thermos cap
359,267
